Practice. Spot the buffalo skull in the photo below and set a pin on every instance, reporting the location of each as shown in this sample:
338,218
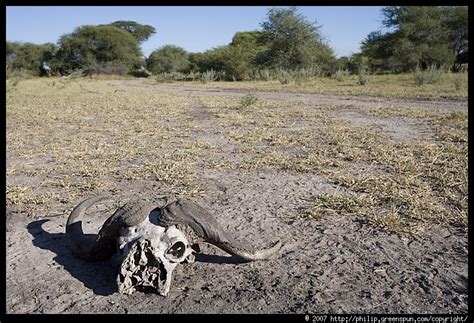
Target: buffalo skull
153,239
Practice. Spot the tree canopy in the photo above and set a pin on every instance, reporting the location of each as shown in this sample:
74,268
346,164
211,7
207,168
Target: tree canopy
168,58
140,32
416,36
28,56
292,41
420,36
98,45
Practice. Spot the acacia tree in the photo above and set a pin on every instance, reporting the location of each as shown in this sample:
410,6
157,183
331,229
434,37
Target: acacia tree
292,41
140,32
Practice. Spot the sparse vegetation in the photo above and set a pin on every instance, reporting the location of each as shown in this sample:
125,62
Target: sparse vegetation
329,205
341,75
208,76
401,86
432,75
248,100
114,133
362,77
397,186
460,81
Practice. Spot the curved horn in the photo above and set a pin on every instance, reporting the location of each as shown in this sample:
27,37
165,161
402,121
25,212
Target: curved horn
81,246
105,243
206,227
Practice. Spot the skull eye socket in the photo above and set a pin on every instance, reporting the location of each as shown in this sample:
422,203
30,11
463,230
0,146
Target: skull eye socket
176,251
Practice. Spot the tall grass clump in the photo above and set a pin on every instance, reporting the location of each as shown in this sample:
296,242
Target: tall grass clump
170,77
21,74
208,76
362,77
341,75
432,75
283,76
305,74
460,81
248,100
262,75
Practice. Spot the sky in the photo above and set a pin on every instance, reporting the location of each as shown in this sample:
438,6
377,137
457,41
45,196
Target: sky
195,29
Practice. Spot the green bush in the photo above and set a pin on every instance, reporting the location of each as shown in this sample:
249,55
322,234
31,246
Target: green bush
90,47
168,59
192,76
208,76
28,57
292,42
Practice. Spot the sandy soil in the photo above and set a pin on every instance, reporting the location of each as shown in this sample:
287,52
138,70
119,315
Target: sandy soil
337,264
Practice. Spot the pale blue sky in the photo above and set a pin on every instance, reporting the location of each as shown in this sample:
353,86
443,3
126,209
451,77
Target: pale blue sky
195,29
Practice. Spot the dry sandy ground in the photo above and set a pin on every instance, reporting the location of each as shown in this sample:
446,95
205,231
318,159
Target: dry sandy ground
338,264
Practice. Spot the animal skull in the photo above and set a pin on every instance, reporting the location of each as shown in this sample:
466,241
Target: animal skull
149,261
153,239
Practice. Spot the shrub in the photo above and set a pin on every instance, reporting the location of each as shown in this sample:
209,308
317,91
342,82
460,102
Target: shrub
460,81
168,59
106,69
221,76
171,77
283,76
248,100
164,78
362,77
18,74
28,57
141,72
261,75
208,76
304,74
431,75
292,41
192,76
340,75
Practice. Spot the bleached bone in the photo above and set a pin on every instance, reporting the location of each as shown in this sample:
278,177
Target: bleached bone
168,233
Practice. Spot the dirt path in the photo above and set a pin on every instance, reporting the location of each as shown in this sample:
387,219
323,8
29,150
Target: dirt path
322,99
337,264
